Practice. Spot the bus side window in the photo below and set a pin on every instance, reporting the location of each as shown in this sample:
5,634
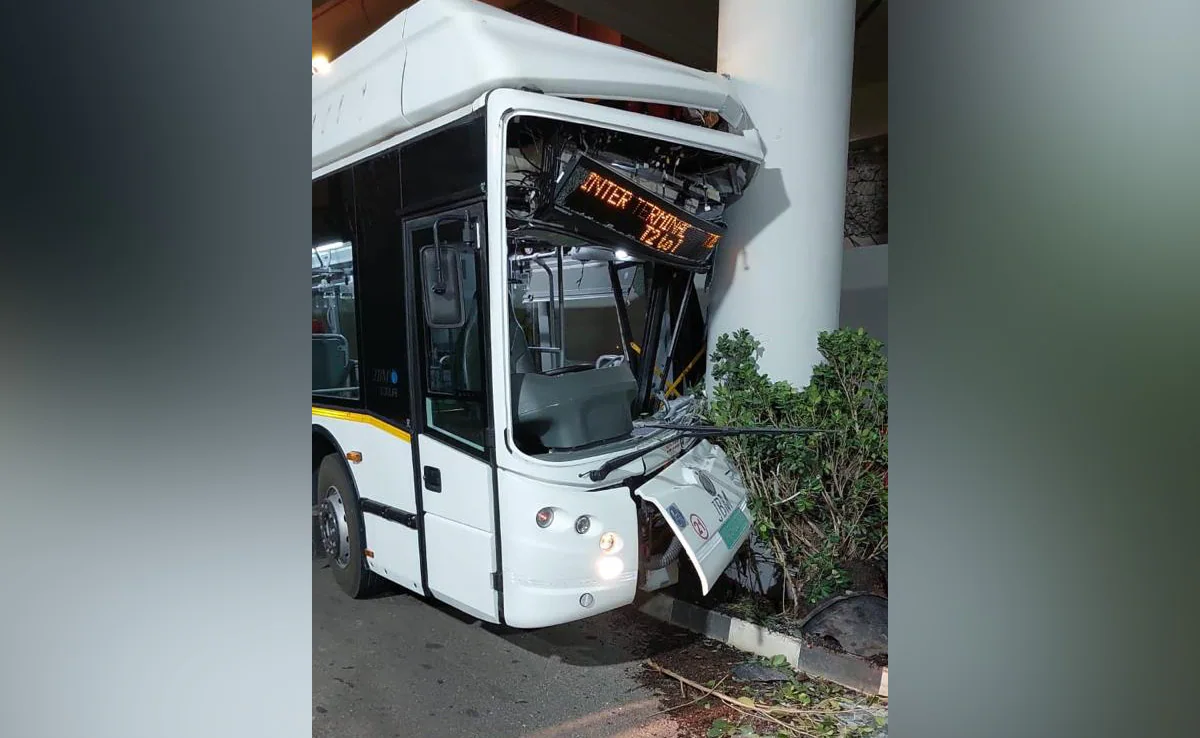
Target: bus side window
335,354
383,311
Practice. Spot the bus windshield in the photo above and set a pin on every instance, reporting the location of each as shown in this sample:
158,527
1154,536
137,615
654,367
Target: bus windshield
610,238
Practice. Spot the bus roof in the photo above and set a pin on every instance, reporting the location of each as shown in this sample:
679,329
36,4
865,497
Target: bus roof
440,55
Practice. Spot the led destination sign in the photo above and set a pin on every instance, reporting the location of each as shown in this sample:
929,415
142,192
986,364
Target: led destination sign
617,206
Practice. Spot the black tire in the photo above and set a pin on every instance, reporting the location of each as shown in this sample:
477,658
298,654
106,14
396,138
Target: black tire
318,549
354,577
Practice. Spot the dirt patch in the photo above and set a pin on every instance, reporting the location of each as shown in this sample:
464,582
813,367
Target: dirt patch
701,661
645,637
709,662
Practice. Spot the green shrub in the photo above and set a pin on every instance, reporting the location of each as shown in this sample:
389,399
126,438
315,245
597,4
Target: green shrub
820,501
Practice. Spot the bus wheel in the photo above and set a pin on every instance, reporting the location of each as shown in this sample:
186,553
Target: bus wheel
341,529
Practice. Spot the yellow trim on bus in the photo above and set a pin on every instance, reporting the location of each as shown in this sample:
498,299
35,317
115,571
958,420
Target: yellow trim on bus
370,420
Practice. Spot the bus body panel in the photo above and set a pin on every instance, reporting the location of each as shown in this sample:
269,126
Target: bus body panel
460,562
547,570
385,475
460,541
704,503
439,55
464,493
394,551
497,49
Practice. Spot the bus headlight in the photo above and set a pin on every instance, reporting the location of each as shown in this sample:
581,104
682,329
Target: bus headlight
583,524
609,567
609,542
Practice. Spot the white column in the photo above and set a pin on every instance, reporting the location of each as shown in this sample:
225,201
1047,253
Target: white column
778,272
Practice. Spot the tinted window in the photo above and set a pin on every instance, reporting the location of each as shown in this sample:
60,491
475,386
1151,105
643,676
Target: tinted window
381,289
452,165
335,350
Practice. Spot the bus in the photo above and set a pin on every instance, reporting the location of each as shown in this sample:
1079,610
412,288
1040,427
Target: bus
513,232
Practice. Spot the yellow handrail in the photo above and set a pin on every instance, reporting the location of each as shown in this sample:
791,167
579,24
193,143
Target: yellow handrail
672,387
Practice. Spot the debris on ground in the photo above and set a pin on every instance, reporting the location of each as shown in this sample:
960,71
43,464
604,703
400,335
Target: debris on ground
857,623
701,692
752,671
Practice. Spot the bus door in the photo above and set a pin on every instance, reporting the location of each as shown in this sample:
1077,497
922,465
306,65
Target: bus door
454,471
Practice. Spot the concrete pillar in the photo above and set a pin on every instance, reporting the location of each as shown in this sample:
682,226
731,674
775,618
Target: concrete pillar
778,272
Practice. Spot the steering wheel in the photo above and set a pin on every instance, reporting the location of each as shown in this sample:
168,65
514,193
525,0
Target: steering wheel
568,369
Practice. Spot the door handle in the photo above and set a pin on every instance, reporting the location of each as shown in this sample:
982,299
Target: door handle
433,479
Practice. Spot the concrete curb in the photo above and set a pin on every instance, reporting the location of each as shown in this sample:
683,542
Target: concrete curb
849,671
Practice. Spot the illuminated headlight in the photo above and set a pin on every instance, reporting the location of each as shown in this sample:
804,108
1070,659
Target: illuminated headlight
545,517
609,567
609,542
583,524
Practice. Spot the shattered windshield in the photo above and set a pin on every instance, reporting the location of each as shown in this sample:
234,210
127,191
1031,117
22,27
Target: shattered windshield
609,239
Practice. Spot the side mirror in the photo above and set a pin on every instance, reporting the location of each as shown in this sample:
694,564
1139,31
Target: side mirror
442,283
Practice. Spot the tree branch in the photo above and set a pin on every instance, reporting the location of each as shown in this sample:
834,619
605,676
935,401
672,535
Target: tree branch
754,709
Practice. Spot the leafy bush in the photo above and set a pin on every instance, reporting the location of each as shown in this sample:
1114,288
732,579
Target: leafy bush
820,501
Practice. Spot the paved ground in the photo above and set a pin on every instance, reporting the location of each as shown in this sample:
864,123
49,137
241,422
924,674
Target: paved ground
398,666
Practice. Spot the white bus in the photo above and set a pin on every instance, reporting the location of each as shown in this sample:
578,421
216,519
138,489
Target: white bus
512,229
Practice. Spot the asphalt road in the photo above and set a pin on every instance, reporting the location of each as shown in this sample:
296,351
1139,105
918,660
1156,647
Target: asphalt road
400,666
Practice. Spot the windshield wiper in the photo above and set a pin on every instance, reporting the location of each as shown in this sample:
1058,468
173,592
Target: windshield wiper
687,431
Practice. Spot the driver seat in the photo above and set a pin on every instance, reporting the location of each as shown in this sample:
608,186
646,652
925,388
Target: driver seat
469,347
518,349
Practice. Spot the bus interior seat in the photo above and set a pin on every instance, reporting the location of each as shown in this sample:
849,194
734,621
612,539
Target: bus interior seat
471,363
553,412
567,411
574,410
470,360
518,349
331,360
